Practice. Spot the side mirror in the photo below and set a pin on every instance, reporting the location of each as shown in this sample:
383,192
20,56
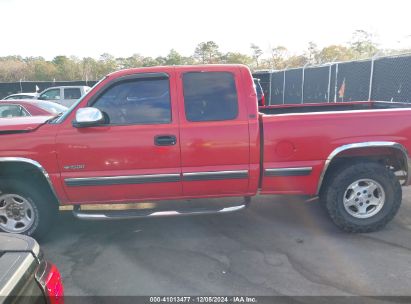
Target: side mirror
88,117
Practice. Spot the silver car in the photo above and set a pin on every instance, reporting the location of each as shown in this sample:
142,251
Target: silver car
64,95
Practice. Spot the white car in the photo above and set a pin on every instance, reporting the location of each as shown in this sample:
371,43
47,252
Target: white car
19,96
64,95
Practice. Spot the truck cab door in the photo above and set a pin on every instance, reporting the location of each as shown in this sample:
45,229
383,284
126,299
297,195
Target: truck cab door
214,133
136,154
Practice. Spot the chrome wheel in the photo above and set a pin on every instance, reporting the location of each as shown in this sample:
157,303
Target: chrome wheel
364,198
16,213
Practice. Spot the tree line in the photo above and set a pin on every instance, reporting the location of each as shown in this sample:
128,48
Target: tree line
16,68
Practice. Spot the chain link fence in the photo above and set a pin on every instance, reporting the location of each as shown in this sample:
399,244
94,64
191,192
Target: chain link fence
379,78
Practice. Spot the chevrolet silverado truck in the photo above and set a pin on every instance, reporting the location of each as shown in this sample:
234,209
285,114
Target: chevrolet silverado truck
25,276
188,133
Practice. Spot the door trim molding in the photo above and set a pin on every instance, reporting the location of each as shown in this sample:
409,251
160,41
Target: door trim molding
155,178
122,180
215,175
296,171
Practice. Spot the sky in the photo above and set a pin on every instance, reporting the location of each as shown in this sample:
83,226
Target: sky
88,28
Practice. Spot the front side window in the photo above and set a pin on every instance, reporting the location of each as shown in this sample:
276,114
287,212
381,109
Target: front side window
137,101
53,94
210,96
7,111
72,93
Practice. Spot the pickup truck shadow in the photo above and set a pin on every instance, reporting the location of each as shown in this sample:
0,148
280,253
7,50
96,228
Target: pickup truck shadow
283,212
280,245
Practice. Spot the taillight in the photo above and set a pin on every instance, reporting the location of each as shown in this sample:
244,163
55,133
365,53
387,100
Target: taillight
54,286
51,283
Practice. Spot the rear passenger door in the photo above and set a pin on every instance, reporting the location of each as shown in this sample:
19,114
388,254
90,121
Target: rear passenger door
214,133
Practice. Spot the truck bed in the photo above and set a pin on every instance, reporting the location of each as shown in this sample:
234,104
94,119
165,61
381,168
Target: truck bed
326,107
297,140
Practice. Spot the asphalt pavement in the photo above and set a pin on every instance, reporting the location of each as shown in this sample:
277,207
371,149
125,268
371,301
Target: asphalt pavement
278,246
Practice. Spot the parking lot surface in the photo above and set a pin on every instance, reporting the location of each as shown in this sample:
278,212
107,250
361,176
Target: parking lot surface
278,246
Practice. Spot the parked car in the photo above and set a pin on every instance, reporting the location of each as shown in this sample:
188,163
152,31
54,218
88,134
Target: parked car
260,92
194,132
22,108
21,96
26,277
64,95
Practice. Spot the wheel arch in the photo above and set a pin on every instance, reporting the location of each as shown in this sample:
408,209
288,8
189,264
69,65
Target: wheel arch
15,166
388,150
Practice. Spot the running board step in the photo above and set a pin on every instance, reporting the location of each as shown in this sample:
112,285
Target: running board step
133,214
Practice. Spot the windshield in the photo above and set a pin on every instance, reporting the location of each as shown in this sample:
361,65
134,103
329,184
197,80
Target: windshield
14,97
52,107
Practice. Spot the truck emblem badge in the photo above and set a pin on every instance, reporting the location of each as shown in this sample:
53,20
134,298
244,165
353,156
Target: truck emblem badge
74,167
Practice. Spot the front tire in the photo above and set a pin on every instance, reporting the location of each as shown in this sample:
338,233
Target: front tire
362,197
25,209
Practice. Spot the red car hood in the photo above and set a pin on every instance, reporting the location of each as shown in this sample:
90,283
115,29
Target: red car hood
22,124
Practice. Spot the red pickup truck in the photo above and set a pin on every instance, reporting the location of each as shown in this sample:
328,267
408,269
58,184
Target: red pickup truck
192,132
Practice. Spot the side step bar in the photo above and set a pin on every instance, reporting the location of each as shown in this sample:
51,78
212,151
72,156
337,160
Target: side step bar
133,214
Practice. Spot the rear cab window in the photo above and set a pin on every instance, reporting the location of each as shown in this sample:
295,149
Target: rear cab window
72,93
210,96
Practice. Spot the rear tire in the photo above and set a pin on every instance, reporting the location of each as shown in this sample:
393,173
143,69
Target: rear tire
25,209
362,197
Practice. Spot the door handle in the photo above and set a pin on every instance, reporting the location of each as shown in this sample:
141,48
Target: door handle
165,140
